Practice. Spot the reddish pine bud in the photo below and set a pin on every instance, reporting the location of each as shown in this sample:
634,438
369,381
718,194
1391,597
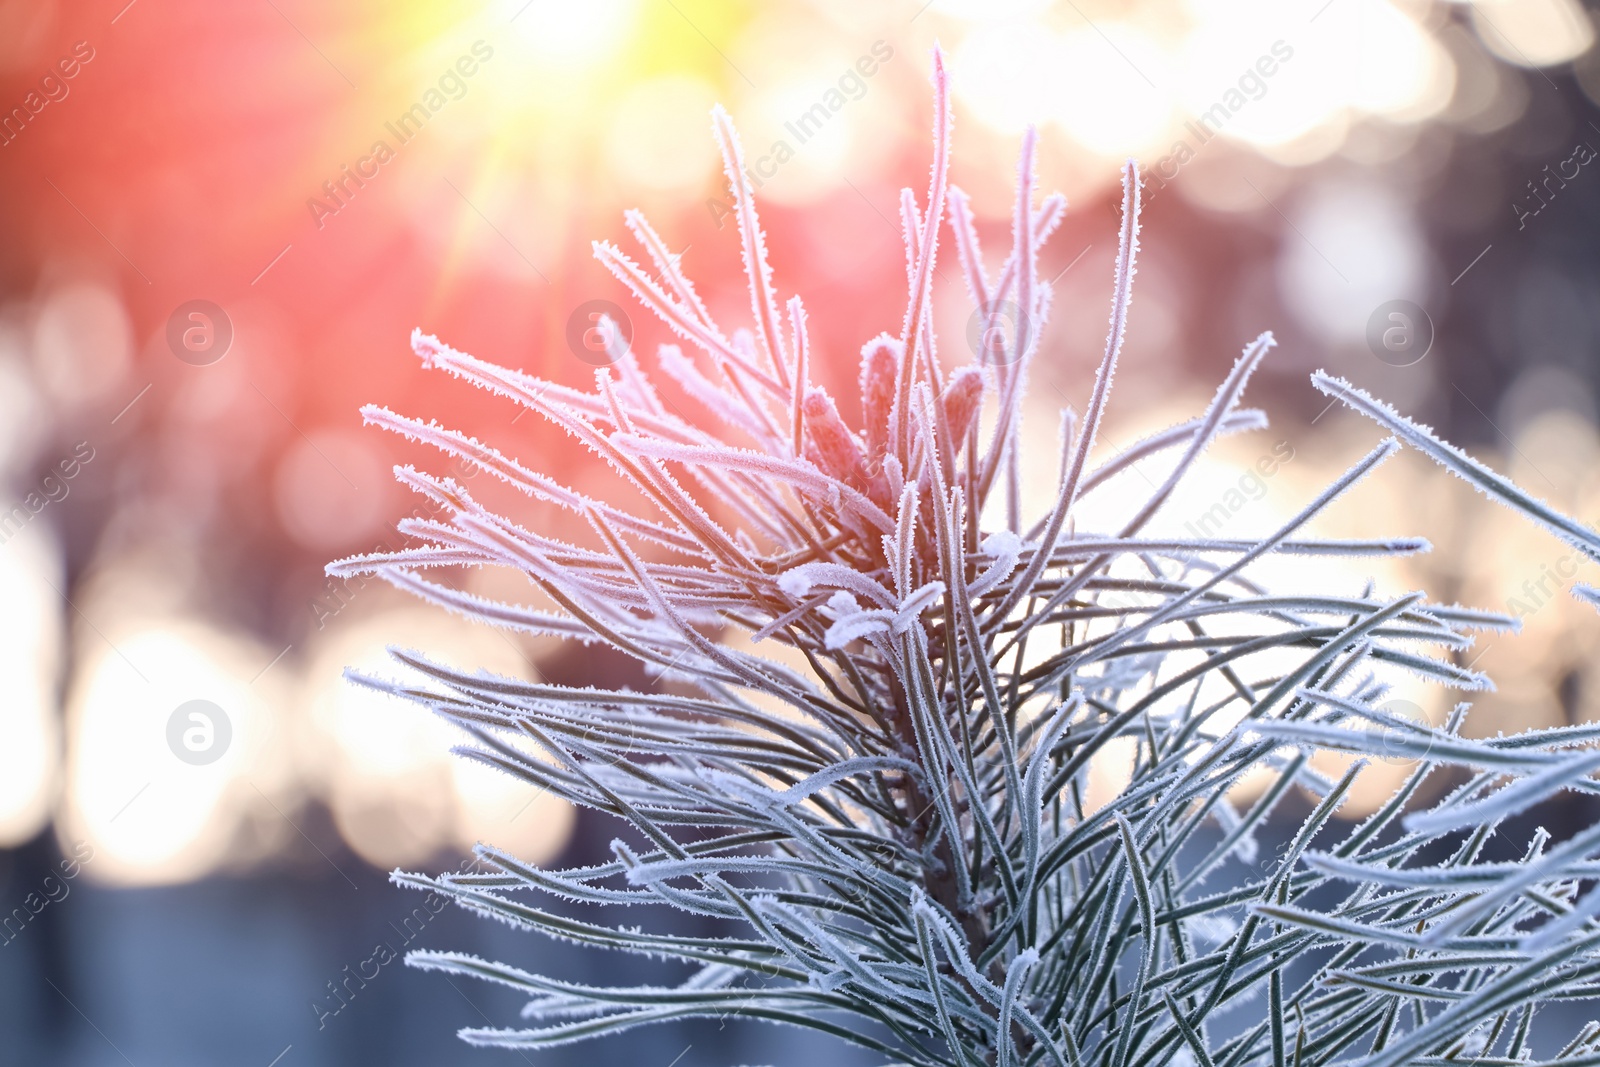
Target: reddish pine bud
962,398
880,363
835,444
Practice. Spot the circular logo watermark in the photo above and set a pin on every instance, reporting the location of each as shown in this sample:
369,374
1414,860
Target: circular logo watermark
1399,744
199,332
198,732
1399,333
599,332
999,333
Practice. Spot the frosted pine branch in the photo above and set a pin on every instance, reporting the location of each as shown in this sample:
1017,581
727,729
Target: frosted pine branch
896,835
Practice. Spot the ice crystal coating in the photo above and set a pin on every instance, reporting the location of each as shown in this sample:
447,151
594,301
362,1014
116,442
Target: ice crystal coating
892,815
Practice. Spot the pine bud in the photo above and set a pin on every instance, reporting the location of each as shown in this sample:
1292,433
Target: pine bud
835,444
880,363
962,398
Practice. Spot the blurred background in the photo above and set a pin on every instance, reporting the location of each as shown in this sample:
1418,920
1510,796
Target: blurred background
221,222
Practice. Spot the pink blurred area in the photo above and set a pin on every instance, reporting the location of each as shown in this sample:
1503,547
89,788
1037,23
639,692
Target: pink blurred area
206,152
186,157
329,177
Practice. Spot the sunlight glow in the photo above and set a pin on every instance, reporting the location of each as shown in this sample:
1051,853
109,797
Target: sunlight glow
152,816
1245,69
1533,33
30,655
568,35
657,136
